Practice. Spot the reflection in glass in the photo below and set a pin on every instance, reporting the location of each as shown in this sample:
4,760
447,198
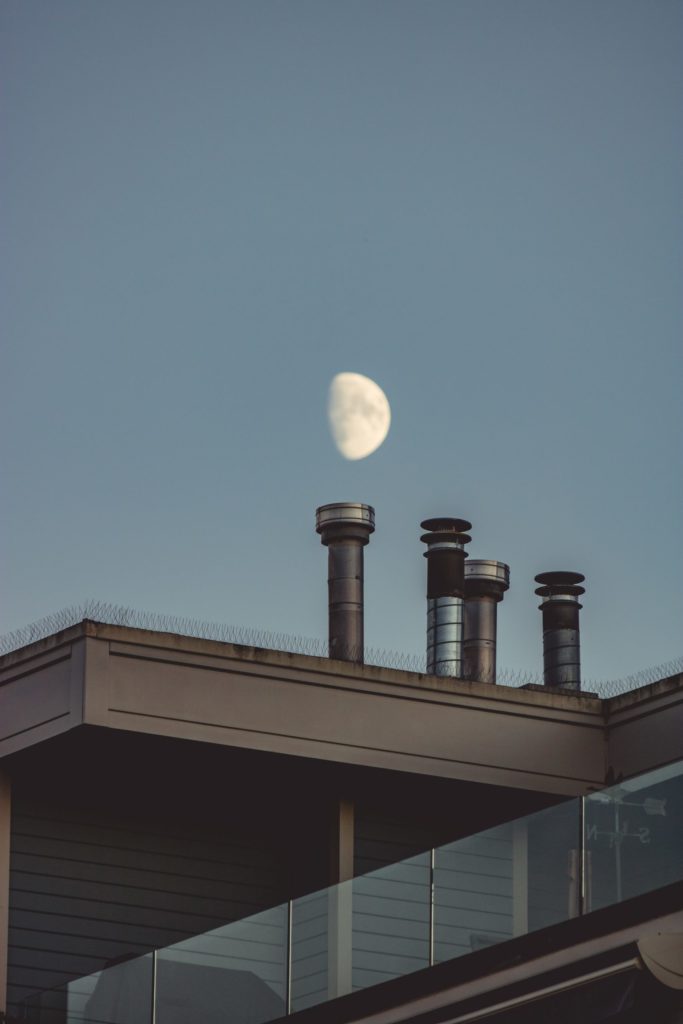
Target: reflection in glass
120,994
506,881
391,921
236,973
313,935
473,893
634,837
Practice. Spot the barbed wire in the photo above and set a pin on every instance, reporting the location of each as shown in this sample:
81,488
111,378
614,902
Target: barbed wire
244,636
120,615
645,677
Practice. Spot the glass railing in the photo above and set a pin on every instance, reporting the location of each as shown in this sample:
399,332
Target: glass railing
543,869
634,837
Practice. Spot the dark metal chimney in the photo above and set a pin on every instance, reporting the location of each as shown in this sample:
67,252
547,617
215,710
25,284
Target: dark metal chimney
559,593
445,554
485,583
345,528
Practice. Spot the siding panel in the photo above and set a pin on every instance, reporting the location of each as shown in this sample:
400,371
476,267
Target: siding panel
87,888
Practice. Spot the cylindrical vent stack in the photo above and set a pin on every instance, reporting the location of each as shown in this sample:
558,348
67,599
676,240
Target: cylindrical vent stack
485,583
445,554
345,529
559,593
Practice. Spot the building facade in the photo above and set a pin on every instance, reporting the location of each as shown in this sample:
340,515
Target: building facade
200,830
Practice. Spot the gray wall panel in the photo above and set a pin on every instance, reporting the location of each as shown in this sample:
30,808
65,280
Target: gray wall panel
87,887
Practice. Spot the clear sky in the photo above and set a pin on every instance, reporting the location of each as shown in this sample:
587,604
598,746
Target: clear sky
212,207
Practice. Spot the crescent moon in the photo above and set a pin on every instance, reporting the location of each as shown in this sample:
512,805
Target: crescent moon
359,415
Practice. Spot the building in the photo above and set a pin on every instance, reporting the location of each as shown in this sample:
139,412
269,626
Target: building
199,830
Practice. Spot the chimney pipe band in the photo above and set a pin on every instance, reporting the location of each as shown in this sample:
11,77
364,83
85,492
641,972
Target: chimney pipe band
340,513
495,576
564,598
444,635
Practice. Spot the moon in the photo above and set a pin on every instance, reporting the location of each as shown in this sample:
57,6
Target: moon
359,415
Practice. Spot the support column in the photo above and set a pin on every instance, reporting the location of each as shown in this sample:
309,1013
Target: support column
342,842
5,809
340,901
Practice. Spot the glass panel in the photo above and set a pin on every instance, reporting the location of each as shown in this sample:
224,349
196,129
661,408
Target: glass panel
121,994
391,921
506,881
236,973
483,889
634,837
315,949
370,929
473,893
553,875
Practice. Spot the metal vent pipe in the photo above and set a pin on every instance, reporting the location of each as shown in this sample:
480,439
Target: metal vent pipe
345,528
559,593
485,583
445,554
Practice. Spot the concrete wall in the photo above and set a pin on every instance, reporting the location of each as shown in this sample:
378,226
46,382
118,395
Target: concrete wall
41,690
645,727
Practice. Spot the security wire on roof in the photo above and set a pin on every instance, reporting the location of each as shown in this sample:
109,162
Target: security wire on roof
119,615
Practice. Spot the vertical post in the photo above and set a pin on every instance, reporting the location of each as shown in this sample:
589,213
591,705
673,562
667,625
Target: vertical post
583,908
579,869
342,841
432,858
153,1014
520,878
340,902
288,979
617,847
587,869
5,821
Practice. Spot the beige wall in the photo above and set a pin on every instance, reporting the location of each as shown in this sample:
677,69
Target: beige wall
248,698
310,707
41,691
645,727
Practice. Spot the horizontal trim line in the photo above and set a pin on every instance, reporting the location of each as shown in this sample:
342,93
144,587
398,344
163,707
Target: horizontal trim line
353,746
421,694
561,986
36,725
25,669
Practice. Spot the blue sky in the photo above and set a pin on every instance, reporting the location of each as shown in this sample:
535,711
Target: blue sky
211,208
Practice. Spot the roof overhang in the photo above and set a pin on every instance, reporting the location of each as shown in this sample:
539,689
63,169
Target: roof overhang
249,698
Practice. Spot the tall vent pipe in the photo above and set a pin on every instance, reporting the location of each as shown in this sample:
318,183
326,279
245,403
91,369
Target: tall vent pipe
485,583
445,554
345,528
560,593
